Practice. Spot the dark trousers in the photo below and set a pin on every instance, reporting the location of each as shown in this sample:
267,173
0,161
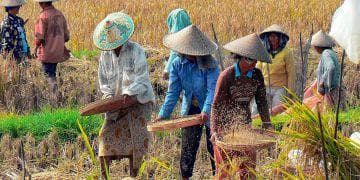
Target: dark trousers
49,69
191,137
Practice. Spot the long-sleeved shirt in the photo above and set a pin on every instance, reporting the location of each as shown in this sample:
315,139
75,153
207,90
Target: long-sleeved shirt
282,70
234,91
126,74
328,71
13,36
197,83
51,29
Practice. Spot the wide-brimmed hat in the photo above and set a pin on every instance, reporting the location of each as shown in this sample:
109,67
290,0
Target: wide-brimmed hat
190,41
12,3
113,31
249,46
273,29
321,39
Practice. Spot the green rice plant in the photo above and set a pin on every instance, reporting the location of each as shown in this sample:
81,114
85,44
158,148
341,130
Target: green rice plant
302,133
42,123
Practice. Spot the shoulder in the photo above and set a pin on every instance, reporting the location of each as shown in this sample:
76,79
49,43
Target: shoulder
134,47
228,73
6,21
329,53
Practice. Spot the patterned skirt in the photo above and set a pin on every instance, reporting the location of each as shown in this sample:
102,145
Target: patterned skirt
124,133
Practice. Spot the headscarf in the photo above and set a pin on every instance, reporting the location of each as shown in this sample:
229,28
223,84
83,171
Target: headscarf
283,39
177,20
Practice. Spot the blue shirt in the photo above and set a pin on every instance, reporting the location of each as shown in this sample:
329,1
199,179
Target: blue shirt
195,82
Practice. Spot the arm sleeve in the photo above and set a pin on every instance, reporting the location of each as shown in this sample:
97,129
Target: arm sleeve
7,35
103,81
261,100
211,78
66,31
221,98
290,70
170,60
172,94
328,75
40,29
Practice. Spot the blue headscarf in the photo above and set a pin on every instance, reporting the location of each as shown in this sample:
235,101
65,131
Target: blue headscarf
177,20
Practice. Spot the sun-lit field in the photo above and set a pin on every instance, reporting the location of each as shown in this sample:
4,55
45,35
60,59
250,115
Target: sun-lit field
54,145
231,18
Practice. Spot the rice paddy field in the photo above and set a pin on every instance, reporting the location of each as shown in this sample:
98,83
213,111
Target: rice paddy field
59,144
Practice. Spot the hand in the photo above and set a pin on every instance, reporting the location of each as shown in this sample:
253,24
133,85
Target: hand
165,76
204,117
214,137
158,119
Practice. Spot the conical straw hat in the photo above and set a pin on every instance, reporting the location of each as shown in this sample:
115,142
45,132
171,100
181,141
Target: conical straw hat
12,3
190,41
321,39
273,29
249,46
113,31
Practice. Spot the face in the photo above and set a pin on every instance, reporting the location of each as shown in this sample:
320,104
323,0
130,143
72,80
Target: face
247,64
15,10
318,49
274,39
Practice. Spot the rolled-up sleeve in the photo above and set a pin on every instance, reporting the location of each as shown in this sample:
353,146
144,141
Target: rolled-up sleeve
290,70
211,79
172,94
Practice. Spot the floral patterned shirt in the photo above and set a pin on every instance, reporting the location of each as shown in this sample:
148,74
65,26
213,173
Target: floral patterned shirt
13,37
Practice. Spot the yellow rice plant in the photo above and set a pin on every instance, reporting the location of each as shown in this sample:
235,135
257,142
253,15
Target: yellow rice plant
231,18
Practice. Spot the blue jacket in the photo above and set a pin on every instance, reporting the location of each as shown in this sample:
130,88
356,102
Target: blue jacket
196,82
177,20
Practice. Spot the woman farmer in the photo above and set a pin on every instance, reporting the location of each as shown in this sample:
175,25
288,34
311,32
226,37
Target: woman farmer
235,88
177,20
123,71
13,37
328,70
282,69
195,72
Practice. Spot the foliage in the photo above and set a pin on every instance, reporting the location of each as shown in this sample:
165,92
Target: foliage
42,123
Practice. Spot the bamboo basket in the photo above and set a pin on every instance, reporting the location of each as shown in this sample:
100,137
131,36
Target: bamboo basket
246,139
176,123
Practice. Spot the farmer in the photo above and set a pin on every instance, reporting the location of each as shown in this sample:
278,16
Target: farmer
235,88
282,68
195,72
13,37
51,34
177,20
123,71
328,70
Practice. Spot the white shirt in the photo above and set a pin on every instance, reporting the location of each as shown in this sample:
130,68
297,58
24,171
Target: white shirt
127,74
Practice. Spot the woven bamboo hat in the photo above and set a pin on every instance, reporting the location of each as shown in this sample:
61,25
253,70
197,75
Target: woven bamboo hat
273,29
249,46
321,39
113,31
190,41
12,3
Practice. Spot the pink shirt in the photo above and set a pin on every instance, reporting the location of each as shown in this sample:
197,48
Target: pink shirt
51,27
